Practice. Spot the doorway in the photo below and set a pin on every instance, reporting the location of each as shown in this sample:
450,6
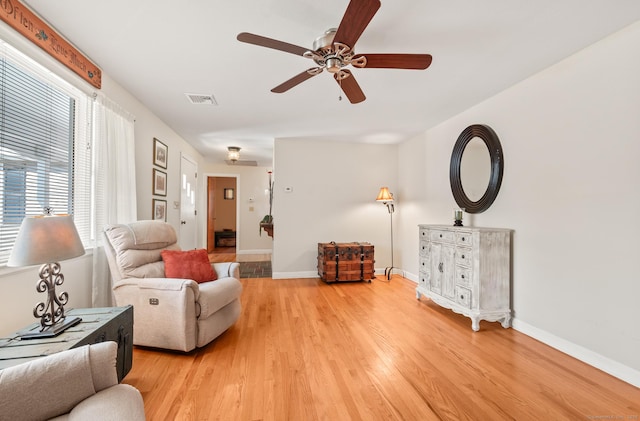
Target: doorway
222,202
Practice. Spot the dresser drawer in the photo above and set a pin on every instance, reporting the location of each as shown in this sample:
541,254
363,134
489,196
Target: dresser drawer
424,248
424,234
424,265
463,296
442,236
463,256
423,281
464,238
463,276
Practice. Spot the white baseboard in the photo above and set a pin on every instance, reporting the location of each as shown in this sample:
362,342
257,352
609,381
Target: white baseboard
291,275
585,355
314,274
410,276
261,251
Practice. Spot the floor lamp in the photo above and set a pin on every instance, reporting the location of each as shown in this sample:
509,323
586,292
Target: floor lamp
387,199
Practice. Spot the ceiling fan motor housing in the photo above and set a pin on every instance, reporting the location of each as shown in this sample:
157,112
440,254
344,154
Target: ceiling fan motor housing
330,55
325,40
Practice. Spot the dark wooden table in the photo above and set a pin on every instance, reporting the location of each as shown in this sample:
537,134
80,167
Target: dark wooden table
225,235
97,325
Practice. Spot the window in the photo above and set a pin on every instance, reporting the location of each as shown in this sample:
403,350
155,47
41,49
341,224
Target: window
44,154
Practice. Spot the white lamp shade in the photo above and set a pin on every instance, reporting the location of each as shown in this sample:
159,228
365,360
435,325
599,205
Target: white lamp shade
46,239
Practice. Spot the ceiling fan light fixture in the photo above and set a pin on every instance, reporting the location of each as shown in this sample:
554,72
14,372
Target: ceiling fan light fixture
233,153
334,65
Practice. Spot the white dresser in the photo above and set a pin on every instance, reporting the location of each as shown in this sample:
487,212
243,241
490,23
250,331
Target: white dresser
467,270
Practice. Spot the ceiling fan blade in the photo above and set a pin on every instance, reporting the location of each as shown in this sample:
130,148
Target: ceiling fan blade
296,80
356,18
349,86
271,43
395,61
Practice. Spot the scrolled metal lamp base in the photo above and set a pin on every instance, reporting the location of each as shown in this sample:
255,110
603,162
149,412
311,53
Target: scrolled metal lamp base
51,314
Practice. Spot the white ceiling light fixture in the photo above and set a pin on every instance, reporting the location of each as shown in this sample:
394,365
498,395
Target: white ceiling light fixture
233,154
233,158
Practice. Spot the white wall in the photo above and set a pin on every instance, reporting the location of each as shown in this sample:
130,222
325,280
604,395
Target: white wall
334,186
570,192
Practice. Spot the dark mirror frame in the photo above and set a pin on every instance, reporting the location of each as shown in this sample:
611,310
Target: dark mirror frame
492,142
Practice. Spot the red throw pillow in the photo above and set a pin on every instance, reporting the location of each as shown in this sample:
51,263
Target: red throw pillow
189,264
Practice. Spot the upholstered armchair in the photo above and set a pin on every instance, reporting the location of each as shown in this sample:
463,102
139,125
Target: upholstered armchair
170,311
76,384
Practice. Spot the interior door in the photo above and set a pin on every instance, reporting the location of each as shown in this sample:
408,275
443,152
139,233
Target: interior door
222,210
188,223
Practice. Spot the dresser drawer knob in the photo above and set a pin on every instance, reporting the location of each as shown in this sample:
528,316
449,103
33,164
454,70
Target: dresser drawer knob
462,276
440,267
463,256
440,235
462,238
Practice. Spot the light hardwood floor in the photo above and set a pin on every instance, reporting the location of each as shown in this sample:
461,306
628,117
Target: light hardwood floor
305,350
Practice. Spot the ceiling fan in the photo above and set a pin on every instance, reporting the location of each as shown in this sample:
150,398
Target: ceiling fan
334,50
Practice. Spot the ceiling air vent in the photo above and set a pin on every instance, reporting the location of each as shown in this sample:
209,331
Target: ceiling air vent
201,99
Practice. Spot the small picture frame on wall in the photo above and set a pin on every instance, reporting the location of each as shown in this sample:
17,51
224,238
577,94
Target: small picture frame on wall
159,183
159,210
160,153
229,194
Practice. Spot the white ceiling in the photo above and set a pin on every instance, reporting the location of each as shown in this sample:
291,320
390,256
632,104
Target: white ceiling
159,50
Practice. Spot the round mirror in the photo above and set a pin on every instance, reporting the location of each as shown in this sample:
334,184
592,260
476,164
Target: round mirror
476,168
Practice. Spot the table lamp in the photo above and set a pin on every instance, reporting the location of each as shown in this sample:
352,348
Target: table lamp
46,240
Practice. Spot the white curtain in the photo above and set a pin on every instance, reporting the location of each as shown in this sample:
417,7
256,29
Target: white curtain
114,199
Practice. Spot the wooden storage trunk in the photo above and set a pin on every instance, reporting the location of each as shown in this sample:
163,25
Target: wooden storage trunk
339,262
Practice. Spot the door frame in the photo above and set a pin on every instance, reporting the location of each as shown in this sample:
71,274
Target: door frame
205,184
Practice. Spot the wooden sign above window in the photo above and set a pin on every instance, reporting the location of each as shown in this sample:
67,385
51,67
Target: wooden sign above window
23,20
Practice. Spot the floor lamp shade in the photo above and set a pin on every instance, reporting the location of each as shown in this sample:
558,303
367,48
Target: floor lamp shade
384,195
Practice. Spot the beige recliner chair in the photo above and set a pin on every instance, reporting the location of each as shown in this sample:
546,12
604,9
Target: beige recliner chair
170,313
76,384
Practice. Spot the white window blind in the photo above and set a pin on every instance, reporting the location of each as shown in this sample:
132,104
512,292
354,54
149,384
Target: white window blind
45,159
